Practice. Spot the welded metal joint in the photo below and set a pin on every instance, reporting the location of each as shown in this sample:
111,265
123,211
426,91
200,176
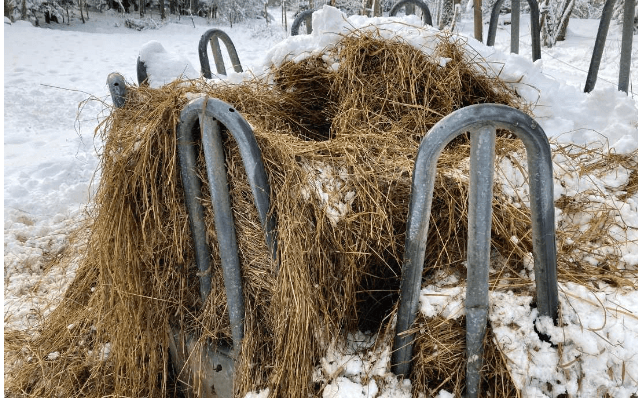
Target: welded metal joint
209,114
625,47
213,36
305,16
534,26
481,121
117,88
425,10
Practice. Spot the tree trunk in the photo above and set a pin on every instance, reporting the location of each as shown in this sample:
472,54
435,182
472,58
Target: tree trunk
24,9
478,21
564,20
81,11
447,13
376,8
162,10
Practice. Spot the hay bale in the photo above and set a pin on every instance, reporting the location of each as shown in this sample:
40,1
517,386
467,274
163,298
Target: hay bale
339,148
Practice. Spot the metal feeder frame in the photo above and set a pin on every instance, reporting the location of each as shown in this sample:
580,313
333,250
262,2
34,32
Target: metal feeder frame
427,16
481,121
516,16
213,366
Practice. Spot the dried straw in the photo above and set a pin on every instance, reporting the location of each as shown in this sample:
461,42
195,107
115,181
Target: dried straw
362,125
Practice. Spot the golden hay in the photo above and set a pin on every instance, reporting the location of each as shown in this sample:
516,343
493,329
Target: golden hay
361,125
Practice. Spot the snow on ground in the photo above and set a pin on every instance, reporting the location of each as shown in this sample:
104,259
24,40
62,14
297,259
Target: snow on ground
50,157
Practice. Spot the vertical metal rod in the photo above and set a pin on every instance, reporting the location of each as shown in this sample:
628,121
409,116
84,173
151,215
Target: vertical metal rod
212,36
534,26
599,45
224,225
478,252
425,10
515,26
217,55
192,190
625,50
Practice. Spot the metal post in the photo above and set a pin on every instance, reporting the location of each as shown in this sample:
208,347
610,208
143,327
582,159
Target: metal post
481,121
212,36
427,16
534,26
515,26
478,251
599,45
224,224
625,51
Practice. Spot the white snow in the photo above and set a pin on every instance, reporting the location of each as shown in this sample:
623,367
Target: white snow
50,157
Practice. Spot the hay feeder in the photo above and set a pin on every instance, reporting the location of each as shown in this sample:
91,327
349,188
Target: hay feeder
211,369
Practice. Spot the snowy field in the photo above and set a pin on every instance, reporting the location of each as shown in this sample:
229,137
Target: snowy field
50,157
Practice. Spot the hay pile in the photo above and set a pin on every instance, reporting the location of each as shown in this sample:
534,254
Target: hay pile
339,148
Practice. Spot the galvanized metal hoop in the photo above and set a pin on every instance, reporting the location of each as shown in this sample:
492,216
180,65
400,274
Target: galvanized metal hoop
427,16
212,36
481,121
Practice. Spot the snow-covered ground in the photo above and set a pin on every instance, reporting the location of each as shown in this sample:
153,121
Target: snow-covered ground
50,156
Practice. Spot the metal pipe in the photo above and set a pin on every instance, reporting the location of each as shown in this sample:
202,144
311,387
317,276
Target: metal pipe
534,26
305,16
478,251
625,50
224,224
599,45
117,89
515,26
473,118
187,153
427,16
212,36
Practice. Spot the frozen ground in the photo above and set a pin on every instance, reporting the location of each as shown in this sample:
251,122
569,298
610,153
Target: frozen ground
50,156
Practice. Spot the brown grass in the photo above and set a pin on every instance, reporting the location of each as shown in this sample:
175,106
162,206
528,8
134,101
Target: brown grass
362,124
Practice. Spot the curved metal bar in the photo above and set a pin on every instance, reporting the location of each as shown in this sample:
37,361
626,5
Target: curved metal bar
427,16
213,36
209,113
534,27
142,75
296,24
117,88
481,120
